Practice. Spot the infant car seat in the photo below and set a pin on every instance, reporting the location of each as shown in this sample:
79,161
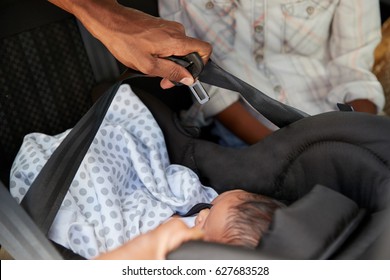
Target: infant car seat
345,219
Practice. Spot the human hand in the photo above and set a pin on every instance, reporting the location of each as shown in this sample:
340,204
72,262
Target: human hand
363,105
156,244
138,40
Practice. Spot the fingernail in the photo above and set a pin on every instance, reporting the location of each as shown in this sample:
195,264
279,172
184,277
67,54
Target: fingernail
187,81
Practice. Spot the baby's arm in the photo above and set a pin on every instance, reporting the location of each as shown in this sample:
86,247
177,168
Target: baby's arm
156,244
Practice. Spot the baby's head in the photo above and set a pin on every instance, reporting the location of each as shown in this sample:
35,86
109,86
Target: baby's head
237,217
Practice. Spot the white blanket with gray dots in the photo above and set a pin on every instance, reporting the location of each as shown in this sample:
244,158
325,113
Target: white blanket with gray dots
125,185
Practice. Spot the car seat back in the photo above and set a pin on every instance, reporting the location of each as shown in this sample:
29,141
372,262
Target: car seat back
45,75
51,69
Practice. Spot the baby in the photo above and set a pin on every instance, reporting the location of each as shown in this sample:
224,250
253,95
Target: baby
237,217
248,214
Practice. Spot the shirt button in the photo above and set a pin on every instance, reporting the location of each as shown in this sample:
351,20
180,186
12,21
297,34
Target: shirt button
259,57
209,5
259,28
278,89
286,47
310,10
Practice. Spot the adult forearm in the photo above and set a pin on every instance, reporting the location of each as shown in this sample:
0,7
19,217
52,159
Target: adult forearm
138,40
240,122
95,12
79,6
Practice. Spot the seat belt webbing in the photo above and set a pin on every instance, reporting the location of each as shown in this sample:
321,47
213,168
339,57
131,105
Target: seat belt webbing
278,113
48,190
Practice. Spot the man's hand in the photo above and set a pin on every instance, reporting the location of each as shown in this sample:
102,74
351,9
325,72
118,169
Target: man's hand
138,40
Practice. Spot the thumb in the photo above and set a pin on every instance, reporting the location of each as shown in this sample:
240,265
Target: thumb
172,72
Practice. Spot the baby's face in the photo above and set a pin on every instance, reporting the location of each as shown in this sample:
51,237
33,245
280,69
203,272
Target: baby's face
212,221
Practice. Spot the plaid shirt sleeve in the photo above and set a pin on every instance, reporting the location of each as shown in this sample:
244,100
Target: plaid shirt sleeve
355,34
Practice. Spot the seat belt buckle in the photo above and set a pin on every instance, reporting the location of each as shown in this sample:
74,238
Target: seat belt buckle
199,92
194,64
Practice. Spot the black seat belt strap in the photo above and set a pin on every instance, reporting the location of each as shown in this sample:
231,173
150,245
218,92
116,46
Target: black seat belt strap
48,190
278,113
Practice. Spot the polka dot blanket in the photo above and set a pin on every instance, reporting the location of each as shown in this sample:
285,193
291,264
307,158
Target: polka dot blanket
125,185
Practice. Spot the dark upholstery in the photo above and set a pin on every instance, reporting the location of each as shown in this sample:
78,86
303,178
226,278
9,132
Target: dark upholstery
45,83
385,9
46,78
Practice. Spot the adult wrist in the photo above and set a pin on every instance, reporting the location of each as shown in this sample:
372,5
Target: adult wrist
93,14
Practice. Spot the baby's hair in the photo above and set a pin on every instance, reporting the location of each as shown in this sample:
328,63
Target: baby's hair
249,220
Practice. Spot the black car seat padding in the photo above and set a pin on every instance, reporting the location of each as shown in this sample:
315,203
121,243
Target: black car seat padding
313,227
328,149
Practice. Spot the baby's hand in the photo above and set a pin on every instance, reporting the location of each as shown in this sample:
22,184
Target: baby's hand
171,235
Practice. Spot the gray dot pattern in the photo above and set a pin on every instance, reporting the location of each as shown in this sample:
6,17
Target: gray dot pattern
125,186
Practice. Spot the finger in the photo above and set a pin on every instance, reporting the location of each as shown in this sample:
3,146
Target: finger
172,235
181,233
165,83
190,45
172,72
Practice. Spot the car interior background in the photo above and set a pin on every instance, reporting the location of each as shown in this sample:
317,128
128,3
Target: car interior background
52,70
